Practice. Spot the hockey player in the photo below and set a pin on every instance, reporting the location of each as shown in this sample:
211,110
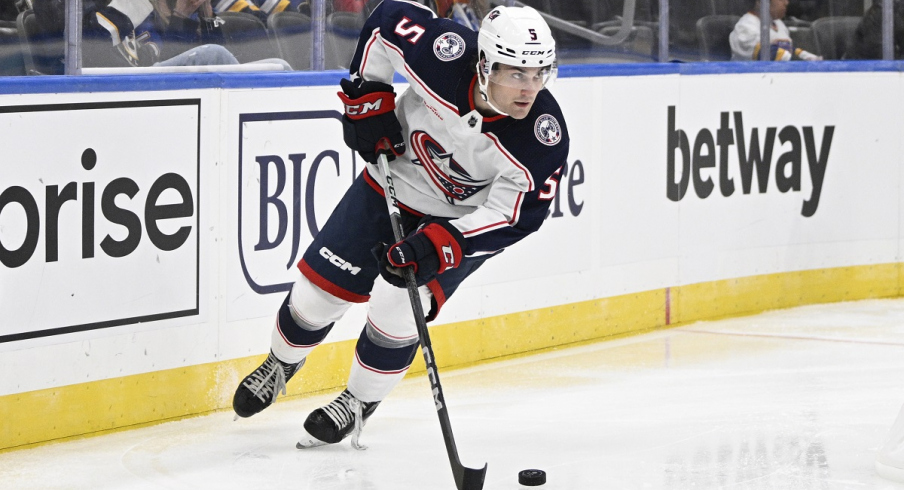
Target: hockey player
477,146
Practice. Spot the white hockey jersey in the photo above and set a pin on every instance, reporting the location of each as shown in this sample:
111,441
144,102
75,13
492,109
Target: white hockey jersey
494,176
745,39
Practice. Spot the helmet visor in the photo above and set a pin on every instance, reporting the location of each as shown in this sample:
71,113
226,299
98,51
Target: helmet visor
524,78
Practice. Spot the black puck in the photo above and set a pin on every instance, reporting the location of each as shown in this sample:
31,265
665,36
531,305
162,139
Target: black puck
532,478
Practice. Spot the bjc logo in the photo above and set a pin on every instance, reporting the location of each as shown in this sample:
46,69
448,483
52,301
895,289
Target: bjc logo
282,193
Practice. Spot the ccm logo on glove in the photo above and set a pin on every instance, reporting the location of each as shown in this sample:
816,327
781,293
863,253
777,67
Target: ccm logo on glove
370,125
369,105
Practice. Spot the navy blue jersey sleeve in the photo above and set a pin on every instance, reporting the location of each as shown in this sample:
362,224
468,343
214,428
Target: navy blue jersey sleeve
399,37
393,30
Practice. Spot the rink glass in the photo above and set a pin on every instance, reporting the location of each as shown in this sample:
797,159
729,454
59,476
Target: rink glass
586,31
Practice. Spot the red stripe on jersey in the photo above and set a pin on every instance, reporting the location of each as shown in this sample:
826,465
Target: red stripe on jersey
482,229
471,102
328,286
370,42
418,146
423,85
512,159
517,210
439,297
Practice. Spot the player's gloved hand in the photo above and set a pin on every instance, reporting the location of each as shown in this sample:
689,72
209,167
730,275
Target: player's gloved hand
435,247
370,125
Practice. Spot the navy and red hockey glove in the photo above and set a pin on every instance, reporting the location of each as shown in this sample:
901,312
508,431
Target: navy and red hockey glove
370,125
435,247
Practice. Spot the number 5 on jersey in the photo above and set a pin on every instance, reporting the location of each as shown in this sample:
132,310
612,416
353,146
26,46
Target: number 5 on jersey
409,31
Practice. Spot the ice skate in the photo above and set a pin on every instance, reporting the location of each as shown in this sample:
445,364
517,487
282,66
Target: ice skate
330,424
259,389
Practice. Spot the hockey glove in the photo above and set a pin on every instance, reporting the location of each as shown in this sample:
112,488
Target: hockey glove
435,247
370,125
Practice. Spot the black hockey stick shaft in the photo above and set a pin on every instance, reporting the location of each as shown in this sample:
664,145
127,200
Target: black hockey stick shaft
465,478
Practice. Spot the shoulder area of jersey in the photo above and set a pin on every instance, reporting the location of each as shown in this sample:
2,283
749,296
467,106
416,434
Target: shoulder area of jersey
546,120
453,41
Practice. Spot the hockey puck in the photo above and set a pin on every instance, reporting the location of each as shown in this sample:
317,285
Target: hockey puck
532,478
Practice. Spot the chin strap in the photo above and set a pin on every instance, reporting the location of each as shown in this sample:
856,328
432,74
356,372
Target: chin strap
484,88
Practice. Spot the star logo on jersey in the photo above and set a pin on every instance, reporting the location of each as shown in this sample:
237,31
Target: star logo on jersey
445,173
548,130
449,46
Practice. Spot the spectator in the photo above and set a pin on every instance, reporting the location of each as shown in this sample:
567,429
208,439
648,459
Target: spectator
868,36
144,32
745,38
249,7
265,8
189,34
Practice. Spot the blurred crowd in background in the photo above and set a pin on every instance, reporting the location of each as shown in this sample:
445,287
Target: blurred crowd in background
281,33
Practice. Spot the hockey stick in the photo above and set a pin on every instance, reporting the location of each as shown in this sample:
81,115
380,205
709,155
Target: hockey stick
465,478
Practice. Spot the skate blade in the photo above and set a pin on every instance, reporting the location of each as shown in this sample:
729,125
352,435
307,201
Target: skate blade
308,441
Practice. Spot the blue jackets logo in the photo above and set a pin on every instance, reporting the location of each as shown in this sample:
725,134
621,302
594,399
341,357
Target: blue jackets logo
449,46
548,130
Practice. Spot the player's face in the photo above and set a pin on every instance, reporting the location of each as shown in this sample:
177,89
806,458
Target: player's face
514,89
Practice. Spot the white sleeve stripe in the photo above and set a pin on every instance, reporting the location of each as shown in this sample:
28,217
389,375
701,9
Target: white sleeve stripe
480,254
530,180
499,224
370,42
484,229
517,210
414,77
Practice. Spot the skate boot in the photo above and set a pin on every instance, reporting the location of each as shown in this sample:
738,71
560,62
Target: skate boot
330,424
258,390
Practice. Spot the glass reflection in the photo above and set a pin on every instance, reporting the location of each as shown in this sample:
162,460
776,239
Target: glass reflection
209,35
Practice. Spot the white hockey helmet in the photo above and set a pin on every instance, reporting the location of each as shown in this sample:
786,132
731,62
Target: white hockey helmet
517,37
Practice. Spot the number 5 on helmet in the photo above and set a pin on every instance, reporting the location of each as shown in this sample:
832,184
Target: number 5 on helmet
370,125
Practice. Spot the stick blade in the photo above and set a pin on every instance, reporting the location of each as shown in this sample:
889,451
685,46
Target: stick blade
469,478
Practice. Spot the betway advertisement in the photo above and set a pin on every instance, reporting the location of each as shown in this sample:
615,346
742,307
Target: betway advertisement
717,177
98,215
112,211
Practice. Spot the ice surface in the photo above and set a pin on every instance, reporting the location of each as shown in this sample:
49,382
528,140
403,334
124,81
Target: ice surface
793,399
